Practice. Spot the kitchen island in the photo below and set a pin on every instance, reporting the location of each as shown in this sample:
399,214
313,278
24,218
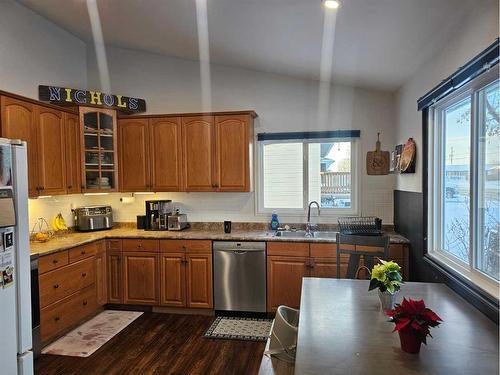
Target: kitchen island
343,331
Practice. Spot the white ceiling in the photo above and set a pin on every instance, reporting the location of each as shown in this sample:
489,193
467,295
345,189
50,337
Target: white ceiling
378,43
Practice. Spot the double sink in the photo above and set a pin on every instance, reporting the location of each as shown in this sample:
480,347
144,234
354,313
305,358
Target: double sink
304,234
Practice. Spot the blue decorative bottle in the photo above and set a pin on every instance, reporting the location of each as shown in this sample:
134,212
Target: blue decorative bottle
275,222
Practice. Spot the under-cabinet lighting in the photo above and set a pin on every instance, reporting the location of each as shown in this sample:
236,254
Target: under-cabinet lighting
144,193
44,196
331,4
89,194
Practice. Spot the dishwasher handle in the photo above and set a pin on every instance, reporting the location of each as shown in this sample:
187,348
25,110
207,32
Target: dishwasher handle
240,251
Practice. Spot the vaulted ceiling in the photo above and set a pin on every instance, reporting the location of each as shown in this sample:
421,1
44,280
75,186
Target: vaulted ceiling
377,43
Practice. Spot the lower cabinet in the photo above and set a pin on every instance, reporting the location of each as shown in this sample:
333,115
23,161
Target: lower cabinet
284,280
199,280
186,273
140,278
289,262
114,276
100,278
173,279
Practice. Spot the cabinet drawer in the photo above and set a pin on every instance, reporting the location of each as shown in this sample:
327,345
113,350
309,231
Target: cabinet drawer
297,249
140,245
114,245
324,250
63,314
51,262
195,246
82,252
60,283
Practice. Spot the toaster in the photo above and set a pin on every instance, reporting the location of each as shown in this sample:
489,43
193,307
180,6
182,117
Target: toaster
90,218
177,222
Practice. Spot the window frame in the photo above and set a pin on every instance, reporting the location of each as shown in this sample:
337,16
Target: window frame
435,179
330,213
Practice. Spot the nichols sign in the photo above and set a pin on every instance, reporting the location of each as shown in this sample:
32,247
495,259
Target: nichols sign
67,96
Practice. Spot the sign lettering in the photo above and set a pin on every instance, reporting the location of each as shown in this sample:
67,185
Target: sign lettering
65,96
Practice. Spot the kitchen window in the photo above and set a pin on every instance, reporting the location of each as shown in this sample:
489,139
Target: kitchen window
464,181
294,172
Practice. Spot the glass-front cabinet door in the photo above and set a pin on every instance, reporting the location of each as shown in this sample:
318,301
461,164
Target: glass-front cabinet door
99,171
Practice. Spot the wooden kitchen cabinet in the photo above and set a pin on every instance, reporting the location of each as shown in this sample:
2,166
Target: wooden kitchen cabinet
198,141
165,154
114,277
173,279
150,154
140,278
199,284
284,280
101,271
72,153
234,140
18,122
186,273
134,155
51,151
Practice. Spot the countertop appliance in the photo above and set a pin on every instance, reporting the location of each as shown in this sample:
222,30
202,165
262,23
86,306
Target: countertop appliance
90,218
177,221
157,213
239,276
16,356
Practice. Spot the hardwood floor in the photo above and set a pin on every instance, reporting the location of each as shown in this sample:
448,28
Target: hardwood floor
161,344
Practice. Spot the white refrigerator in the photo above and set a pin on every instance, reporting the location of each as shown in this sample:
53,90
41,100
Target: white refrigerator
16,355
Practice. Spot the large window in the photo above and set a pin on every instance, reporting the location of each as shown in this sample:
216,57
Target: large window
464,181
294,173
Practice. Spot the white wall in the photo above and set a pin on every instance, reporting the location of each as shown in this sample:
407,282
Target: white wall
477,31
34,51
282,103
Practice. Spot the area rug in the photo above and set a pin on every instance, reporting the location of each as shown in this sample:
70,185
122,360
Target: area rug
90,336
234,328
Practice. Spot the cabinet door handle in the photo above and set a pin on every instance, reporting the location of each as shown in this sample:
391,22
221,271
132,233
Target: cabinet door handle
84,303
56,286
70,187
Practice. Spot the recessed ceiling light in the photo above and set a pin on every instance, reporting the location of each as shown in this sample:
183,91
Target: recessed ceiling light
331,4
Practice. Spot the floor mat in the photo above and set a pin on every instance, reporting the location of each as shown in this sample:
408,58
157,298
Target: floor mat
90,336
234,328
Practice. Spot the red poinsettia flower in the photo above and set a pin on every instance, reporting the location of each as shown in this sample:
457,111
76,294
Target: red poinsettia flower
414,315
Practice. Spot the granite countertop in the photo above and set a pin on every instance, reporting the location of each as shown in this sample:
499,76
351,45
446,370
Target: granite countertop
72,239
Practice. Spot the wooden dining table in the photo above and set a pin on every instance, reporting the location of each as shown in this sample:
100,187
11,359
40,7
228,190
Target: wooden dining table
342,330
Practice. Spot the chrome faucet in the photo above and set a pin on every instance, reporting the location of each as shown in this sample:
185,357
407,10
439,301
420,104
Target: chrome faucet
308,224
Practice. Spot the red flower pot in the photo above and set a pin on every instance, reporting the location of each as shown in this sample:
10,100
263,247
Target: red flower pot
410,343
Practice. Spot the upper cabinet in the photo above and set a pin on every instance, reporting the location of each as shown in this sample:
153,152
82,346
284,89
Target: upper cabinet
18,122
51,151
99,150
150,154
133,150
218,152
73,164
198,140
234,140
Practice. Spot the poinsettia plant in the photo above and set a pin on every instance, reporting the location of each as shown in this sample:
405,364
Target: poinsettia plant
386,276
414,315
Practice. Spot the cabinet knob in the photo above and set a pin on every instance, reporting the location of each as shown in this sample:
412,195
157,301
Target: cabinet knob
84,303
84,274
55,261
57,318
70,187
56,286
82,252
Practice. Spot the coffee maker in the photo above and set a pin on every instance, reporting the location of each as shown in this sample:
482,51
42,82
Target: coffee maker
157,214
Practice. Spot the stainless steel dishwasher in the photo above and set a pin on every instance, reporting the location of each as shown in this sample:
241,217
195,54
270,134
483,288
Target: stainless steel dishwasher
239,276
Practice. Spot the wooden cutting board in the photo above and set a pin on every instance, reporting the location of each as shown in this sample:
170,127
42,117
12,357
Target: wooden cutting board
377,162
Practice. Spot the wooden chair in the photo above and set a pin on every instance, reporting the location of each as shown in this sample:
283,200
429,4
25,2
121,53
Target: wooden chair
356,246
